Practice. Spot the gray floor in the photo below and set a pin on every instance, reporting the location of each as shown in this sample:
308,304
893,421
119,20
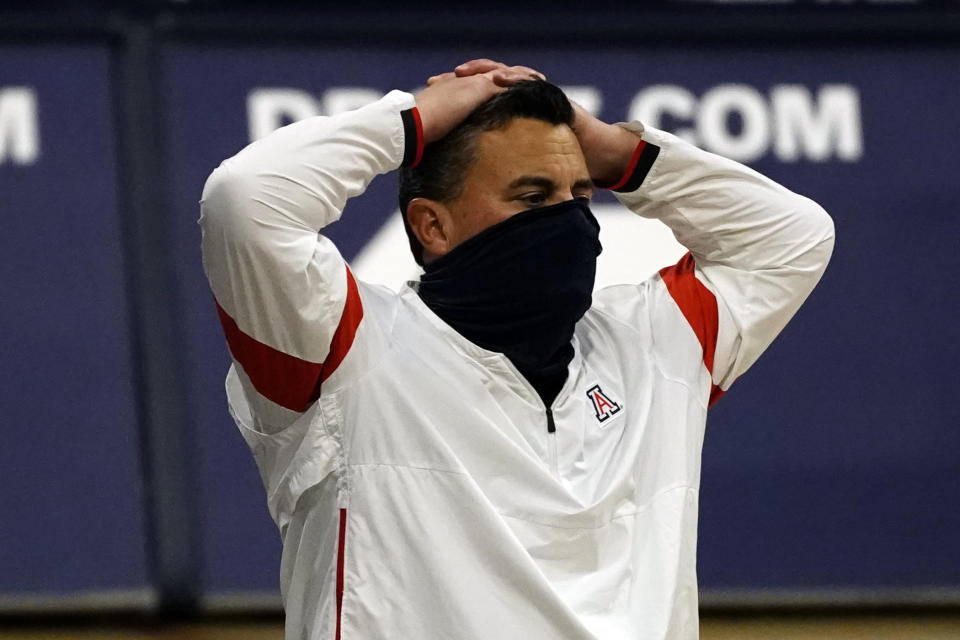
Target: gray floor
852,627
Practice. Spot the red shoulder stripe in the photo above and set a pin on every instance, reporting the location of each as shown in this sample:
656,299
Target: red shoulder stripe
284,379
715,394
346,330
698,305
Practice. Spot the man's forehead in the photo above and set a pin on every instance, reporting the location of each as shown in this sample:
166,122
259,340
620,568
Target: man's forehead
526,145
531,133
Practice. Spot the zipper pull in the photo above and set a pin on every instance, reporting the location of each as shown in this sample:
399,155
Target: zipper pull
551,425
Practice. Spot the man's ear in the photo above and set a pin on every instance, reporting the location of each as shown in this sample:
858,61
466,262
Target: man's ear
430,221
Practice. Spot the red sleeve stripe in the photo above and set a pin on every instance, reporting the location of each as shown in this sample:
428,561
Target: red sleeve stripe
286,380
419,123
341,541
698,305
640,164
412,136
630,168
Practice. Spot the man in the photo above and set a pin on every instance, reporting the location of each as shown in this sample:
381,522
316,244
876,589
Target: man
492,452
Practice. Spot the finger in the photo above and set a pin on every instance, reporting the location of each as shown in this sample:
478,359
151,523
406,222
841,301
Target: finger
530,72
480,65
440,76
508,77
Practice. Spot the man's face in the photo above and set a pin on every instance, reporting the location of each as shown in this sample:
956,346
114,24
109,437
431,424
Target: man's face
527,164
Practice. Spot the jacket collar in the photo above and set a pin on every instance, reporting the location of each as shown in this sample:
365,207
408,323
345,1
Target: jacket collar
493,362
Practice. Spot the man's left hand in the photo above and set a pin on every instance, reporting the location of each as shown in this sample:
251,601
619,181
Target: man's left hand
607,149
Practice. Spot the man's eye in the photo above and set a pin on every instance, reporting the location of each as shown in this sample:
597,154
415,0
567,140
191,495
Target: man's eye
534,199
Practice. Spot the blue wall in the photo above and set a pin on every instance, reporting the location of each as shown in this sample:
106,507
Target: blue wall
71,496
832,464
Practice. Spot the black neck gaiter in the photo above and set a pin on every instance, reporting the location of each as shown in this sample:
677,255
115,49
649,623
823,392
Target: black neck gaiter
519,287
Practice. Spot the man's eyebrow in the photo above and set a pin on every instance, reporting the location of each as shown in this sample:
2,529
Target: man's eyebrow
546,183
585,183
533,181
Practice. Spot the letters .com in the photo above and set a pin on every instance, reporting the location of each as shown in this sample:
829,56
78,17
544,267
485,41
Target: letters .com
734,120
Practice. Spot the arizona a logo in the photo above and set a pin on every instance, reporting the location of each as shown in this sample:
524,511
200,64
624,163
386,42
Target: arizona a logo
603,405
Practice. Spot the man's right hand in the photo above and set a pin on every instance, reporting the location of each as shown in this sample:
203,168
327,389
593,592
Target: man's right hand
450,97
607,149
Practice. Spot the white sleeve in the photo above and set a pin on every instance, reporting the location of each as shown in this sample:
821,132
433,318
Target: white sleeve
756,248
287,301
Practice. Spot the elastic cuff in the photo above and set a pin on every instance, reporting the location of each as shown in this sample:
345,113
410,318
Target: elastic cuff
412,137
643,158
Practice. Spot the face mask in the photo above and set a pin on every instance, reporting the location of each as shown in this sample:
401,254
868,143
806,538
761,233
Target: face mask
519,287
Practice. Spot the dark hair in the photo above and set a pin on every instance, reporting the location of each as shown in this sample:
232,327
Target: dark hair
445,163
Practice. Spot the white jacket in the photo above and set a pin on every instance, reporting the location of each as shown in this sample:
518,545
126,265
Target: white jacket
421,487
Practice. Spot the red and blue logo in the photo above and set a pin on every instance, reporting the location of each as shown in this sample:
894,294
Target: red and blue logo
604,406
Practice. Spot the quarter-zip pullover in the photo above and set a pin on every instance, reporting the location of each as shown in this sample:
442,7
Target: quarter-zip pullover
421,487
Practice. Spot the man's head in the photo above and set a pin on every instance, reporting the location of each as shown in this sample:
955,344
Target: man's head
515,152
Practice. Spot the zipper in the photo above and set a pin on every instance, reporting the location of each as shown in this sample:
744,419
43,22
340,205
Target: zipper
552,442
